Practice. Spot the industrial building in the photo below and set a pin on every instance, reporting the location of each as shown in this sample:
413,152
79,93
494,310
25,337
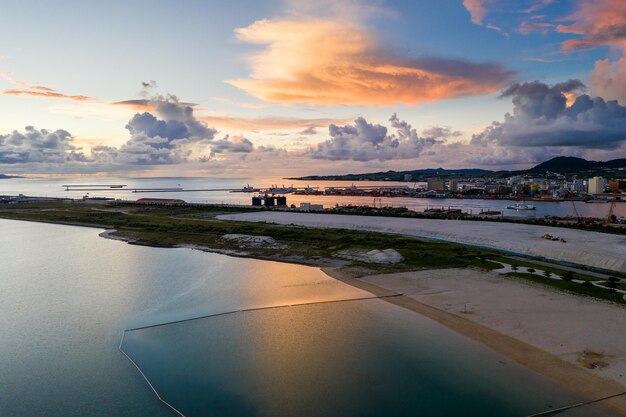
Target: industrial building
311,207
617,186
269,201
435,184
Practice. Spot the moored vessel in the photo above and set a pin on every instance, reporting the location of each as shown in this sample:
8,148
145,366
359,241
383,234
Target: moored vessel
521,206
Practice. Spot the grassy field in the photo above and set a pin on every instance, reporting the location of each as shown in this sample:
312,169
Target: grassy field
556,270
171,226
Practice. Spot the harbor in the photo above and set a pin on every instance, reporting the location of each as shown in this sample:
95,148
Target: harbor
335,196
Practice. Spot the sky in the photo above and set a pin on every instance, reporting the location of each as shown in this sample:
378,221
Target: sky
295,87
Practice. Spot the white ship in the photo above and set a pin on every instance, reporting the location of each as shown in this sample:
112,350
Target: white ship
521,206
275,189
249,189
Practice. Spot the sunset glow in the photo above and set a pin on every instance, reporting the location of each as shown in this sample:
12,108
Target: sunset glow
282,75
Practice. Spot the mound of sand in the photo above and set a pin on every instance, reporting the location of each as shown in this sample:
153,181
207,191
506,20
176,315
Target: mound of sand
249,240
376,256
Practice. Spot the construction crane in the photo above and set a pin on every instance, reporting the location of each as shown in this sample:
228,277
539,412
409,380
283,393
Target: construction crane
608,219
576,211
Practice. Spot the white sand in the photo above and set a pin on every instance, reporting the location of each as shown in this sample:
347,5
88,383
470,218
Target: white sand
375,256
562,324
249,240
581,247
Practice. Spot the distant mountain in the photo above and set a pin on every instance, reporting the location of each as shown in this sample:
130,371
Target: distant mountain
3,176
572,164
397,175
561,164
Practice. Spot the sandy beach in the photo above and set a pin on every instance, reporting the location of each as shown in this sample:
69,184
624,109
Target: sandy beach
577,342
600,250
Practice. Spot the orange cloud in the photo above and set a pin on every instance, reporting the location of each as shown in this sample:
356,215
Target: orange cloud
268,123
601,23
47,94
334,62
529,26
608,79
538,6
477,10
36,90
137,105
150,104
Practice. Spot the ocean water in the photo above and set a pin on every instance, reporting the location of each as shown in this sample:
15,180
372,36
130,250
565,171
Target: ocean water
67,295
52,187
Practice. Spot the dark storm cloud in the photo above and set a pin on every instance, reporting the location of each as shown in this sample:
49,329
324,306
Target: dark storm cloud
237,144
541,118
167,134
170,136
364,141
440,132
38,146
536,99
482,72
150,126
167,138
309,131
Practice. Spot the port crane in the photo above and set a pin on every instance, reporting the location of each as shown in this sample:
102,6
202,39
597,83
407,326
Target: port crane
578,217
609,217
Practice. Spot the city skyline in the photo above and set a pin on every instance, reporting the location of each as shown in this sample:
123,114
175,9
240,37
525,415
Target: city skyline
286,87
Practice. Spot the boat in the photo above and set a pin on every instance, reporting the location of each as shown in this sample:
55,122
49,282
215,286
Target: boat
434,210
275,189
249,189
548,236
308,190
521,206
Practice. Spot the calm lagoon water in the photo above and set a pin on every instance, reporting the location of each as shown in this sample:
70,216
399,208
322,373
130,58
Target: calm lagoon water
66,296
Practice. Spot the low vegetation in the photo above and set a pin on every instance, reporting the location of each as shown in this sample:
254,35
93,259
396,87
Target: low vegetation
555,269
585,289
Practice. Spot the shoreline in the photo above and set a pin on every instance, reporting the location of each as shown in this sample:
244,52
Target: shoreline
317,263
578,380
107,233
